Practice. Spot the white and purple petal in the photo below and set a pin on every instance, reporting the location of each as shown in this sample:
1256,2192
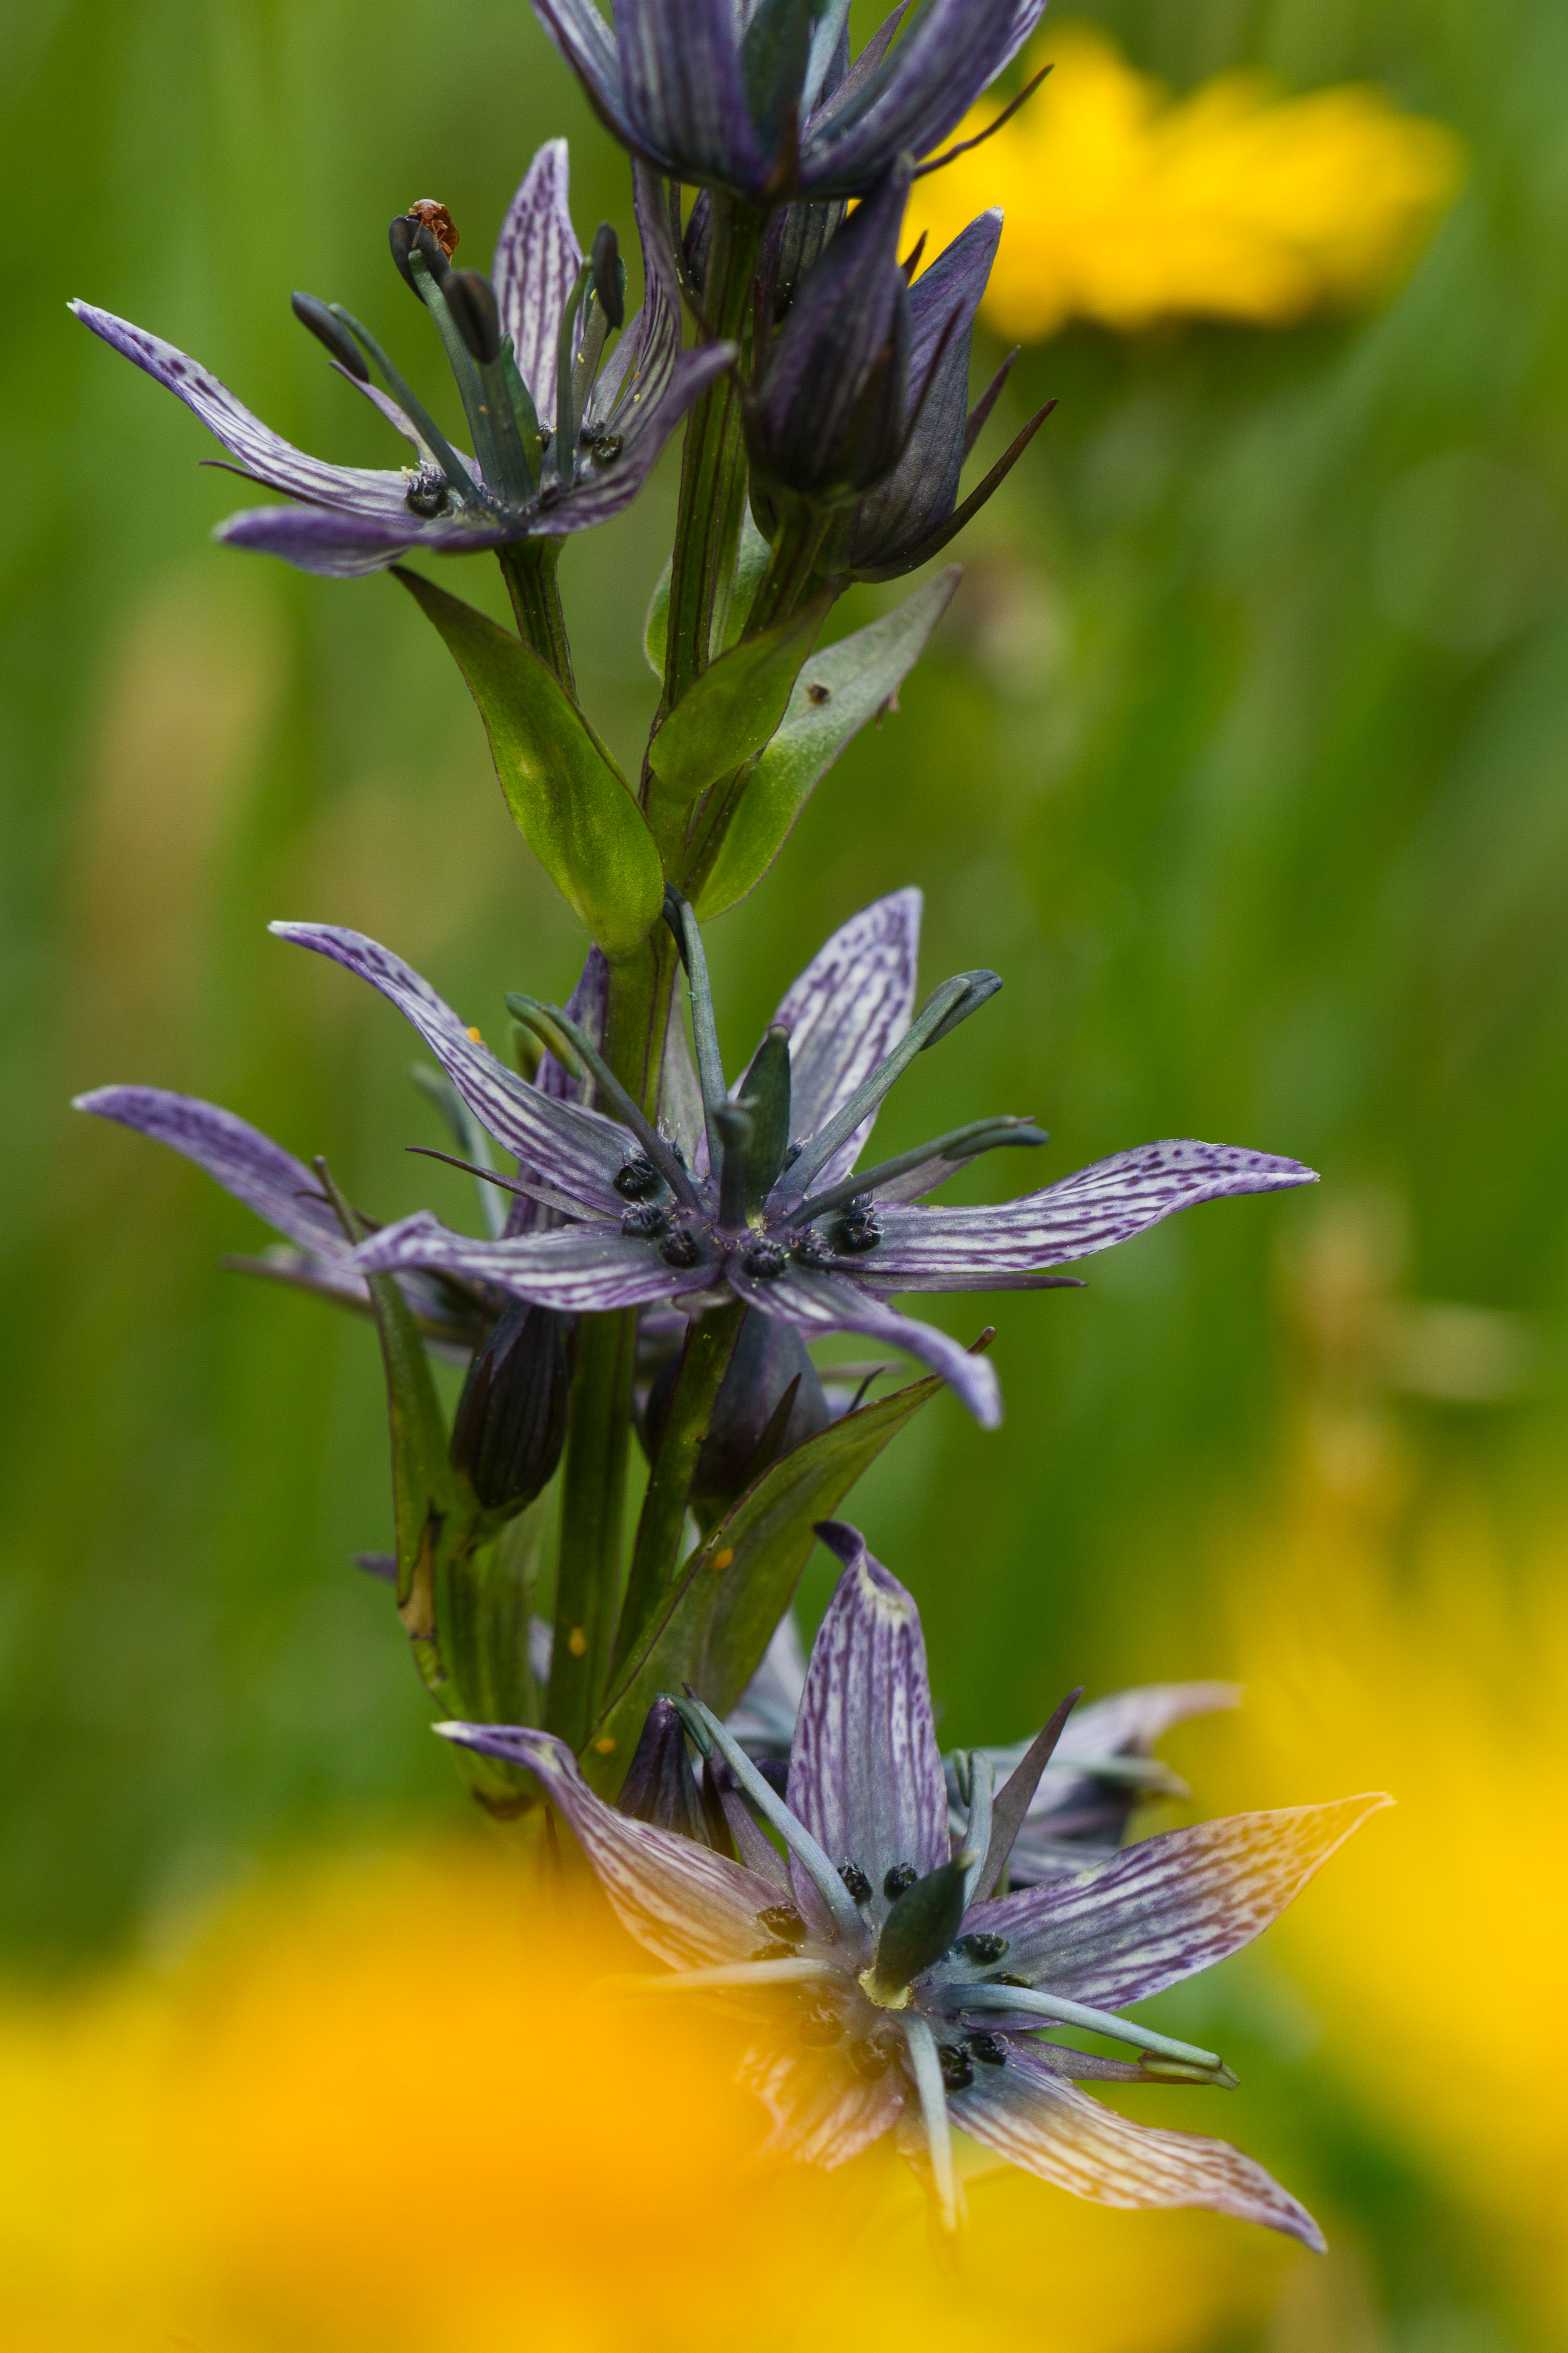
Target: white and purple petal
280,1189
1026,2112
822,2113
683,1901
845,1013
973,1249
576,1270
342,545
1161,1910
865,1776
817,1304
578,1152
536,260
684,89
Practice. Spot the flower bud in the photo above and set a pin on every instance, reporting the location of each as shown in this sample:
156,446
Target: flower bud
744,1432
609,274
329,330
471,300
510,1421
660,1787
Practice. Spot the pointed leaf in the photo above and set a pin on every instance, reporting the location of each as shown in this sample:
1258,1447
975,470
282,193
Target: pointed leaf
859,674
570,801
656,621
726,1603
726,714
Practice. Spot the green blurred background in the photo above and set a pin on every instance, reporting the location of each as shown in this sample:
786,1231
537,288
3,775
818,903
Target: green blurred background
1244,754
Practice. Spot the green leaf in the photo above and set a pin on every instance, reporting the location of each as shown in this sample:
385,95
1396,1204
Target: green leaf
859,673
655,620
717,1619
750,562
574,806
728,713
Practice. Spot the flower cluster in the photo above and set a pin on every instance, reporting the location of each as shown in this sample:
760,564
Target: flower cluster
661,1242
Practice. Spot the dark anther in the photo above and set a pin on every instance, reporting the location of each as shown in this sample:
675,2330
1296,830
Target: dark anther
857,1227
1004,1976
820,2023
774,1952
471,300
551,494
680,1248
957,2067
609,282
425,228
817,693
980,1945
429,491
644,1220
331,331
764,1259
791,1154
605,448
869,2059
808,1249
856,1881
638,1180
989,2049
783,1920
902,1876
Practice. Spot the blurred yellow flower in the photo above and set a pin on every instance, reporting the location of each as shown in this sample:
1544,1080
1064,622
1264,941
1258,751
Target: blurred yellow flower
384,2111
1234,203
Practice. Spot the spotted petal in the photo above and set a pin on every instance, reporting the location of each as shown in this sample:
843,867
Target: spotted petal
968,1249
683,1901
822,2113
577,1151
864,1777
1028,2114
818,1304
847,1012
1169,1906
536,263
577,1270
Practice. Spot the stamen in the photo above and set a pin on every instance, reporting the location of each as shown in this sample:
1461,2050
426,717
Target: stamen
563,447
958,1145
470,391
680,1248
326,330
783,1920
996,1995
638,1180
977,1837
989,2049
798,1970
856,1881
981,1947
957,2067
542,1019
710,1734
459,481
821,2024
645,1222
926,2068
609,274
902,1876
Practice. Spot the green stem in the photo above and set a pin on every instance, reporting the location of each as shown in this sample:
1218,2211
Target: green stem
705,1360
714,449
791,576
529,568
593,1513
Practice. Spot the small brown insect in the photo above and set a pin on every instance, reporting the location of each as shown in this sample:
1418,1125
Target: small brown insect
818,693
439,221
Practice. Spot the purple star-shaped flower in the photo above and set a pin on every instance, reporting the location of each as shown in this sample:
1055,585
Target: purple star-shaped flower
909,1997
736,97
618,411
763,1202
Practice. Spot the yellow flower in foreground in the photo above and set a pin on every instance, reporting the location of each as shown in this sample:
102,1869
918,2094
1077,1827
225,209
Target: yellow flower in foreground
1234,203
380,2113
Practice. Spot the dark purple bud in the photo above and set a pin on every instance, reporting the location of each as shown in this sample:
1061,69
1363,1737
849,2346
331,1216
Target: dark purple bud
471,300
797,239
510,1421
774,56
660,1787
827,420
331,331
609,274
769,1401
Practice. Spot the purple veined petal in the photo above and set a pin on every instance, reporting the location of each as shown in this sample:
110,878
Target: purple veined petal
280,1189
585,1007
865,1776
1027,2113
683,1901
684,90
638,368
579,33
1129,1723
973,1248
577,1270
819,1303
1074,1814
1169,1906
613,483
353,489
847,1012
579,1152
823,2113
343,546
951,51
537,259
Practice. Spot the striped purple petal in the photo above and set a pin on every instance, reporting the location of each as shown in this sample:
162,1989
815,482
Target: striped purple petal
577,1151
683,1901
638,368
1028,2114
577,1270
950,52
822,2113
581,36
537,259
818,1304
280,1189
847,1012
1170,1905
341,545
864,1777
684,90
970,1249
